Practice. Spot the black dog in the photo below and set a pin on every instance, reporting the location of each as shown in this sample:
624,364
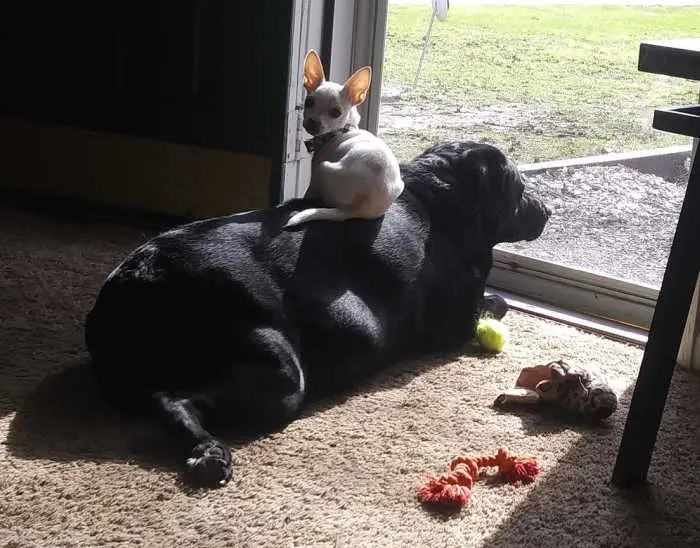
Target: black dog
235,322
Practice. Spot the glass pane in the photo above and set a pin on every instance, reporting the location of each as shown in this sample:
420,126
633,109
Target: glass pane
551,82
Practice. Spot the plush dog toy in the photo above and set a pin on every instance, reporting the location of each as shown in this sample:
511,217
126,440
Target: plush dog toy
572,388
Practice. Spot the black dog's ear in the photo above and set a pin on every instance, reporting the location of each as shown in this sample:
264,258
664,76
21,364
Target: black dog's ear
484,169
492,183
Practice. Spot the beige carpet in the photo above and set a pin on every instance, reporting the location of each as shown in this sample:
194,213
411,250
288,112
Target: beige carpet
71,474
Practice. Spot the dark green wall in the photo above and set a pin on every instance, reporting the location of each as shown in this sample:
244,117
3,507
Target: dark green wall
210,73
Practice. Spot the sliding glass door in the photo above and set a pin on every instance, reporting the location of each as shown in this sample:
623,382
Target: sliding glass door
550,84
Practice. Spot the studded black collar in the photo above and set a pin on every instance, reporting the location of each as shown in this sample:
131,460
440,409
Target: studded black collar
319,141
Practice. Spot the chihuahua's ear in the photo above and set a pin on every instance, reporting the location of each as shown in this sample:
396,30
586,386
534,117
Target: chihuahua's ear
313,71
357,85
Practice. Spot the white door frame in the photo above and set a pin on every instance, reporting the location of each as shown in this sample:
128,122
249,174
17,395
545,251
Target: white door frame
369,18
306,33
357,40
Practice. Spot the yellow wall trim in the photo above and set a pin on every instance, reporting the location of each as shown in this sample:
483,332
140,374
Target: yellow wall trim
142,174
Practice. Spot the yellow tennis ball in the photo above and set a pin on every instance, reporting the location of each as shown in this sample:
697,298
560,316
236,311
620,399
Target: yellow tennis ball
491,334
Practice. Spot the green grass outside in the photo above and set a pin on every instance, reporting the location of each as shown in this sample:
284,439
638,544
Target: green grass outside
571,70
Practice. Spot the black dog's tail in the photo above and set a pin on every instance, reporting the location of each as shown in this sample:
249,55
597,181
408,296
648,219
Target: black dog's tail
131,341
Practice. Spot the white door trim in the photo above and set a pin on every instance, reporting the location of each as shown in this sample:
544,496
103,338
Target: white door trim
573,288
307,26
369,37
358,33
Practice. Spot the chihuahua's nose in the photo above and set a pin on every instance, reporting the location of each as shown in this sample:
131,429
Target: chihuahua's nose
311,126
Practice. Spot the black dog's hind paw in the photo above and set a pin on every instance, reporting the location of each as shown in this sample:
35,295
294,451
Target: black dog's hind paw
210,464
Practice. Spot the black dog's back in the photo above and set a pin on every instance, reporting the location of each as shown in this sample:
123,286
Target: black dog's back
177,313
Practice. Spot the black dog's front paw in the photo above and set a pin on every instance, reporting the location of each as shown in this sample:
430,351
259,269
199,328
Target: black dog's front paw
210,464
494,306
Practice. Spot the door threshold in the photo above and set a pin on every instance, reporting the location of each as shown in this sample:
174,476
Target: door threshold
600,326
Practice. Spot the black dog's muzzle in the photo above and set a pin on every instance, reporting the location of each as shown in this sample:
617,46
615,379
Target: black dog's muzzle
531,218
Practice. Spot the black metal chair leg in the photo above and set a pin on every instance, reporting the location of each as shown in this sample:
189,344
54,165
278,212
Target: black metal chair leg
665,333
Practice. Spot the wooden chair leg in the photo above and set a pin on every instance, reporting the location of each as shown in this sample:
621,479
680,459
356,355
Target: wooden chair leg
666,330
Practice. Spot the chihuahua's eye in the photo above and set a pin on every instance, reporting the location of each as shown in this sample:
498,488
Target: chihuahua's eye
309,102
335,112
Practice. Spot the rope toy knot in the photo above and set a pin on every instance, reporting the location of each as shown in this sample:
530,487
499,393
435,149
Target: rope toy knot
454,489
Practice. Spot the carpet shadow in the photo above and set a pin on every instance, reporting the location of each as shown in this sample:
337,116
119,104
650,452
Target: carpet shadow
50,272
396,375
548,419
578,494
64,419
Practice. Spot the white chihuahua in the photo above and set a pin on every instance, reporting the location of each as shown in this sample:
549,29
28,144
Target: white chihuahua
353,171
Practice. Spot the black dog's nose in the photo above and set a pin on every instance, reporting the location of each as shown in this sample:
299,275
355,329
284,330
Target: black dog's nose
311,126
